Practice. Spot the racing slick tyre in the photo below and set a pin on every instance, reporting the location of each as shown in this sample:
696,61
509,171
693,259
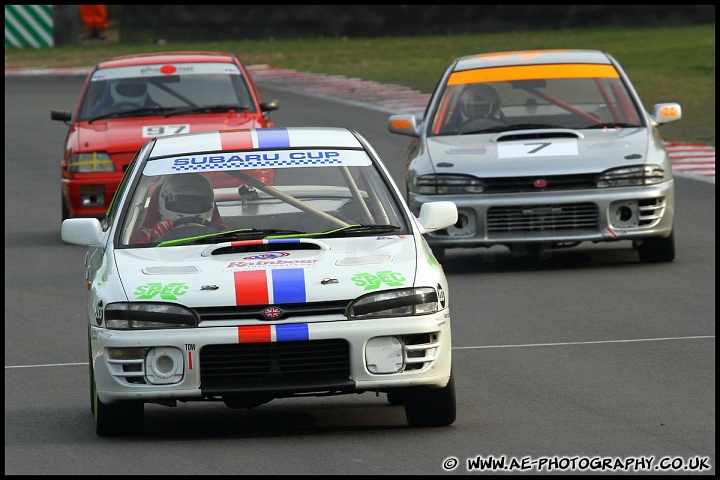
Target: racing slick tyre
186,229
65,213
126,418
439,253
92,378
653,250
396,397
480,124
431,407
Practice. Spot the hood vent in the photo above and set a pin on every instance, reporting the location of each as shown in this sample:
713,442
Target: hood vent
271,245
265,247
509,137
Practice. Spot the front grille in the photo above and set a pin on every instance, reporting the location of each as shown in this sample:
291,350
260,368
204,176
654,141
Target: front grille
542,218
255,312
551,183
299,366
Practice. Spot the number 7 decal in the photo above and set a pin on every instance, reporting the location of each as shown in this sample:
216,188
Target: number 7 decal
541,146
556,147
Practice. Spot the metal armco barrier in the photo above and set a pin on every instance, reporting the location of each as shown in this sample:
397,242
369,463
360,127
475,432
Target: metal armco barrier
28,26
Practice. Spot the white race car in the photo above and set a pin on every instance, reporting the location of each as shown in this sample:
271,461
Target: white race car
211,279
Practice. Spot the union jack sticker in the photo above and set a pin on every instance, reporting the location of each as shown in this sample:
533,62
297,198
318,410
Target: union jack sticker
272,312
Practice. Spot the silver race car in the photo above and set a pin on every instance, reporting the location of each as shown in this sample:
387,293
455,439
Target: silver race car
542,150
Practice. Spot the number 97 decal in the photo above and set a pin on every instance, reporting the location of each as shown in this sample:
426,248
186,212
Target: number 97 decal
539,148
150,131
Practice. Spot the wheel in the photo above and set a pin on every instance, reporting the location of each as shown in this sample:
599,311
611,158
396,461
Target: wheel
192,221
479,124
120,106
189,227
65,210
439,253
91,384
657,249
431,407
126,418
396,397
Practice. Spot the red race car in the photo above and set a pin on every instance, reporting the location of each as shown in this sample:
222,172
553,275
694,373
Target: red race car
127,100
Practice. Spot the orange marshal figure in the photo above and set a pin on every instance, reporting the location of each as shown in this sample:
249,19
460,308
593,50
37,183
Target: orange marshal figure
95,19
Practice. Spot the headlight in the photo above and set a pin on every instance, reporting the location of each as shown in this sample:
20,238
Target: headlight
404,302
91,162
632,176
448,184
141,315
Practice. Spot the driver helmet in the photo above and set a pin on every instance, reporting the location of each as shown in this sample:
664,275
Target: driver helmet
129,90
480,101
186,195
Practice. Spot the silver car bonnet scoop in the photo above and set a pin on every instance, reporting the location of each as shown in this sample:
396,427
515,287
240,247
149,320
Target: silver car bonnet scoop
536,134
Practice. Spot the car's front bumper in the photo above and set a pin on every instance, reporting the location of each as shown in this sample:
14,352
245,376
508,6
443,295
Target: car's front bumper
89,195
168,364
555,217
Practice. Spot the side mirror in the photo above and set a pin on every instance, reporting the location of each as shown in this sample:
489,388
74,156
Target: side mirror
269,106
61,116
437,215
666,113
404,125
82,231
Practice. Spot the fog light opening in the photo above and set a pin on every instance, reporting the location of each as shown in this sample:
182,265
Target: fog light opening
465,225
164,365
384,355
92,196
624,213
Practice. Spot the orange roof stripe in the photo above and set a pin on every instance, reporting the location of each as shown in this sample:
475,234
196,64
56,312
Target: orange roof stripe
533,72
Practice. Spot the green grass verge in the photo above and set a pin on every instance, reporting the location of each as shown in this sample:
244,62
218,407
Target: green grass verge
666,64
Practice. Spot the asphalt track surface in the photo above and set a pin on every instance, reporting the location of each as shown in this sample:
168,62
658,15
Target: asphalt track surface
688,160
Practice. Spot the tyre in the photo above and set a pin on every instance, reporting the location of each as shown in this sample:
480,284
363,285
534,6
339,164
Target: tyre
396,397
439,253
65,214
125,418
91,383
658,249
431,407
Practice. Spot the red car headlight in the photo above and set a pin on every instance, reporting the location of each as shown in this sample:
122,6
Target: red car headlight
90,162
